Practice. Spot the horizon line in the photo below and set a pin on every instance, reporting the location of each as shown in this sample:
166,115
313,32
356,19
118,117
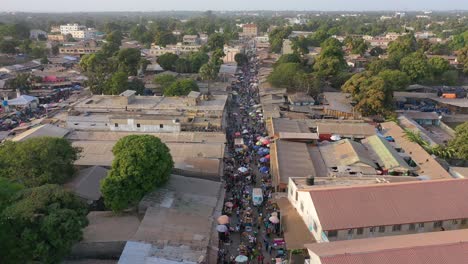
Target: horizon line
237,10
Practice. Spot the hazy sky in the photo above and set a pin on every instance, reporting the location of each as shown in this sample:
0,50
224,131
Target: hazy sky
157,5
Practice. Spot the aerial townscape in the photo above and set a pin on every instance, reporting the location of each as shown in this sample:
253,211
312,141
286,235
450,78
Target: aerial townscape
208,132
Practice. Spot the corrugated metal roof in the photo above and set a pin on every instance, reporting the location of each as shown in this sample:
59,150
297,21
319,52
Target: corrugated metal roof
427,248
345,153
341,208
385,154
346,129
427,164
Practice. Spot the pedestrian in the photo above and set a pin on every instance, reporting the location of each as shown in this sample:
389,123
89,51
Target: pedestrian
260,259
267,244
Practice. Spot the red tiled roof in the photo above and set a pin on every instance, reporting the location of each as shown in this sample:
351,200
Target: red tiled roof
391,203
429,248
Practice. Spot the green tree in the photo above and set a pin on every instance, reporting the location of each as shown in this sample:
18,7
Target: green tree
118,83
285,75
460,143
401,47
183,65
463,58
216,41
8,46
167,61
371,93
7,190
416,66
181,88
197,59
241,59
164,38
209,71
141,164
22,83
128,60
438,65
331,59
164,80
40,225
376,51
378,65
276,37
137,85
288,58
97,67
113,43
38,161
55,50
395,80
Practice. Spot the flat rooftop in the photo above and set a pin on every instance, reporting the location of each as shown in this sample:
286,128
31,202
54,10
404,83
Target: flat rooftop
145,103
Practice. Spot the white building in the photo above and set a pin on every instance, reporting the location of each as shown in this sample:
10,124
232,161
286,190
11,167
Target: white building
77,31
384,209
35,33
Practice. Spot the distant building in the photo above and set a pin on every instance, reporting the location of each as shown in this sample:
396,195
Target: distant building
56,37
177,49
191,40
249,30
36,33
81,48
230,53
77,31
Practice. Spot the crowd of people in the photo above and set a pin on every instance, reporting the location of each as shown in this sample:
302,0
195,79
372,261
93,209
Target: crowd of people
249,229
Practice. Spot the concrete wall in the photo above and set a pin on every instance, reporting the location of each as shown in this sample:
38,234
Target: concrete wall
306,209
87,125
134,125
314,259
405,230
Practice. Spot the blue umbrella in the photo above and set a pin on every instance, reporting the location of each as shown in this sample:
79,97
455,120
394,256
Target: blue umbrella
262,160
263,169
256,147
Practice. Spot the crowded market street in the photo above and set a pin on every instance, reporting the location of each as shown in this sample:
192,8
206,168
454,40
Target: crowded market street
249,229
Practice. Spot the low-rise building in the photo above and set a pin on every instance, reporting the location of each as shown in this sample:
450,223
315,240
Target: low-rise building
191,40
128,112
177,49
78,31
56,37
80,48
385,209
230,53
339,105
37,33
249,30
449,247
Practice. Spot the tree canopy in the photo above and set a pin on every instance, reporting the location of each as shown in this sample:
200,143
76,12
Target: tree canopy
38,161
141,164
167,61
181,88
40,224
241,59
460,142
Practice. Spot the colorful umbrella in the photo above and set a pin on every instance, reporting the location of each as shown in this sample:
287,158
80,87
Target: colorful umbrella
241,259
274,219
223,220
243,169
263,160
222,228
267,156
